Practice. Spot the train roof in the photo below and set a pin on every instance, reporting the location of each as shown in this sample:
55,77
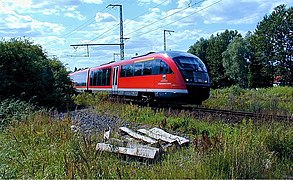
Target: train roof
171,54
174,54
79,71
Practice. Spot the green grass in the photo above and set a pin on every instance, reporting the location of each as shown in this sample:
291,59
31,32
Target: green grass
39,146
275,100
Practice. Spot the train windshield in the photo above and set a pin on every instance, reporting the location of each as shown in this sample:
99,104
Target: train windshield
190,63
192,69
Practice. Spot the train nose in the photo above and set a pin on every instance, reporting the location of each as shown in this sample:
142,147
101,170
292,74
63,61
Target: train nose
198,93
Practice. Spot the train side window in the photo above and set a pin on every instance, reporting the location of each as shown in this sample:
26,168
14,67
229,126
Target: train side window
100,74
96,78
138,67
101,77
129,70
123,71
161,67
147,67
164,68
126,70
92,78
156,67
108,75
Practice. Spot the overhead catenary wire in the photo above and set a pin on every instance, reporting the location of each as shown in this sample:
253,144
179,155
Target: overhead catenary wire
145,12
83,25
154,22
182,9
102,34
167,17
181,18
116,26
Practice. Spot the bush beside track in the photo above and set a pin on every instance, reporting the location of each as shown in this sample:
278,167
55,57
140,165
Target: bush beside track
274,100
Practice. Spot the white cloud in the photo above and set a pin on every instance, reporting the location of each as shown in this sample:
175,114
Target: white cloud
50,42
147,2
92,1
236,12
154,15
19,3
14,24
183,3
75,15
104,17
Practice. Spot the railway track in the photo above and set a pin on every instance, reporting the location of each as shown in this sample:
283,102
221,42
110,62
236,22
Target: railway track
230,116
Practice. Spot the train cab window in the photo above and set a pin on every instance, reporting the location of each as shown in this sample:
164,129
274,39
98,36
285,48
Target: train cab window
190,63
138,67
161,67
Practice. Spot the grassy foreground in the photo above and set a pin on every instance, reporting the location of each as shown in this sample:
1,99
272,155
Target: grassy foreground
41,146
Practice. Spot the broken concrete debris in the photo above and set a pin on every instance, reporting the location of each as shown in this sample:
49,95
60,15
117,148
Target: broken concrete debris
134,151
143,143
137,135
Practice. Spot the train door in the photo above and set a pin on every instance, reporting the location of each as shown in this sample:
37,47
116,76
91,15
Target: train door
115,80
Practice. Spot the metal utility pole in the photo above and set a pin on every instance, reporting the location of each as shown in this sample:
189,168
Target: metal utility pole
121,31
169,31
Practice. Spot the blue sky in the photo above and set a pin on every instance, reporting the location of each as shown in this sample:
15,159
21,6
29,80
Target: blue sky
57,24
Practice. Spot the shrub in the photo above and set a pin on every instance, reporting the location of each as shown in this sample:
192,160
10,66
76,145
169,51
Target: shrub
28,74
11,109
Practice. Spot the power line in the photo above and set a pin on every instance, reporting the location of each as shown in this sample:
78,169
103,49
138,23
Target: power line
165,17
145,12
83,25
115,26
171,15
79,27
181,18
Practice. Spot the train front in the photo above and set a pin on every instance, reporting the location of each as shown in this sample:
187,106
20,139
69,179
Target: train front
195,75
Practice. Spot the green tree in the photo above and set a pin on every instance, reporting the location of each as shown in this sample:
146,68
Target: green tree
235,61
217,45
272,42
27,74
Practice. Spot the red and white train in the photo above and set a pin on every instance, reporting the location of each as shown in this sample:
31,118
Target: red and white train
169,76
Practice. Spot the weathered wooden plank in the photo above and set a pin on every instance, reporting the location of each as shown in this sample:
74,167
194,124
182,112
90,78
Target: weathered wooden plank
138,136
133,151
180,140
156,136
